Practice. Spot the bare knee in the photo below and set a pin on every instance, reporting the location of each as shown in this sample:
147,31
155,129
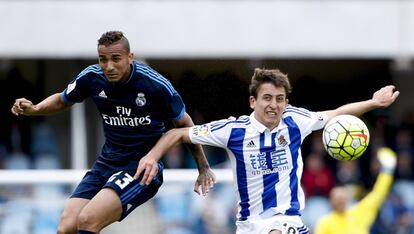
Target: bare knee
67,225
88,221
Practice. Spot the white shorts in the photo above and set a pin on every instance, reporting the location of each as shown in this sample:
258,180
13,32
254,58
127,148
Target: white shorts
285,223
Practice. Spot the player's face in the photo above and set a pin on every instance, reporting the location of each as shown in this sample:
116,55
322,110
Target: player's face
115,62
269,105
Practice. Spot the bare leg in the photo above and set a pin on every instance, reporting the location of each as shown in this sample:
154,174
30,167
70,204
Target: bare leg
68,220
104,209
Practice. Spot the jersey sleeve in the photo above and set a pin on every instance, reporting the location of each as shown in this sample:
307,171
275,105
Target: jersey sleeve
174,107
215,133
307,121
77,90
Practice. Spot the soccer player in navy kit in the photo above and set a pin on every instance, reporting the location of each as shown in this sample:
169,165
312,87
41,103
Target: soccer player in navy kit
264,150
134,102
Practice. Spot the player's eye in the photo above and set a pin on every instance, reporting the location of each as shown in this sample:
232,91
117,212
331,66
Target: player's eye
267,98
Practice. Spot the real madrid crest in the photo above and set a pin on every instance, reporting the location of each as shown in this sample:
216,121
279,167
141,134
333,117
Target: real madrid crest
140,100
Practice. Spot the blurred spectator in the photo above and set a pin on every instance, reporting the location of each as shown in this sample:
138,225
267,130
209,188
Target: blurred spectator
175,157
403,140
348,172
174,204
317,178
358,218
408,121
395,216
15,86
405,166
377,132
216,213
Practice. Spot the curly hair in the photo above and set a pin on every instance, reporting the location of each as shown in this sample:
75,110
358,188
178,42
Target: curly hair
112,37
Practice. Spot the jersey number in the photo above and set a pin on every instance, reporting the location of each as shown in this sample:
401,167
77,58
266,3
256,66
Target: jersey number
121,182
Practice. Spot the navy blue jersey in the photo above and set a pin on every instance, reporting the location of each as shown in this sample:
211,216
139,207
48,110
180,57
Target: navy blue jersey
133,113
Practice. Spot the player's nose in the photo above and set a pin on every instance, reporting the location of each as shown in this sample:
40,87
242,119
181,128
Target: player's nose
110,67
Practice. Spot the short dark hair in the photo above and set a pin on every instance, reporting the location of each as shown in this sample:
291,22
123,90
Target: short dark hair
274,76
112,37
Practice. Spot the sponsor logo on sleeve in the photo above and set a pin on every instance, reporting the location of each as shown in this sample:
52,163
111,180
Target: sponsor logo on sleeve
320,117
71,87
201,130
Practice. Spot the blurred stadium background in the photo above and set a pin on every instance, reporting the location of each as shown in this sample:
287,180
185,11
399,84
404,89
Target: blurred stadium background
335,51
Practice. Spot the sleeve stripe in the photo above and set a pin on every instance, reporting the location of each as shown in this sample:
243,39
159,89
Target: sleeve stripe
94,68
298,111
217,127
181,114
156,77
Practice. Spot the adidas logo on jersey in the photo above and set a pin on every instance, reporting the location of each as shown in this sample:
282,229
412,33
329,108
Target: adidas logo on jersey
102,94
129,206
250,144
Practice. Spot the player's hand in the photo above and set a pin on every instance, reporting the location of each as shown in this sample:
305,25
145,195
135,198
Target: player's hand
150,168
385,96
22,106
206,180
387,158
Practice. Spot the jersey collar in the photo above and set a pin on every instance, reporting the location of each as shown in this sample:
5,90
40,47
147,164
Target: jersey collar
132,72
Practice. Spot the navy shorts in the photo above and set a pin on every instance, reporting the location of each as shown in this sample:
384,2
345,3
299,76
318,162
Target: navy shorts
130,192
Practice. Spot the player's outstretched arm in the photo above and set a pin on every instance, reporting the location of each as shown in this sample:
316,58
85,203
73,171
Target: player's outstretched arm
206,177
51,105
382,98
149,163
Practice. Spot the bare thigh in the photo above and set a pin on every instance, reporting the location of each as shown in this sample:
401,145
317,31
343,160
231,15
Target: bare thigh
68,220
105,208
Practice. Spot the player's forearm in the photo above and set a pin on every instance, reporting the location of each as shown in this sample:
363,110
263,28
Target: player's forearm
199,157
168,141
51,105
355,108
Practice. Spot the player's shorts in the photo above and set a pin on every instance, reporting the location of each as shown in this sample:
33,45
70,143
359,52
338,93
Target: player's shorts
130,192
284,223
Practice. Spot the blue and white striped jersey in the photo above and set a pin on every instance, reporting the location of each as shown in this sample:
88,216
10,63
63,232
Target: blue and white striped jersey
267,165
133,113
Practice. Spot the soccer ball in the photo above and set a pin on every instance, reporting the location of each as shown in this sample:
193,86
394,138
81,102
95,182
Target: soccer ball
345,137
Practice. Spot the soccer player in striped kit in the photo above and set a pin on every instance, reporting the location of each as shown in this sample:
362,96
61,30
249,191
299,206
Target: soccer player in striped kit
264,149
135,103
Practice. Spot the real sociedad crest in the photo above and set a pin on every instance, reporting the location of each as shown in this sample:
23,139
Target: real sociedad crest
140,100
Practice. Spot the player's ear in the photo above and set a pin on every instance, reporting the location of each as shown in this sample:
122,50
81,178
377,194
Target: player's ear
287,101
130,57
252,101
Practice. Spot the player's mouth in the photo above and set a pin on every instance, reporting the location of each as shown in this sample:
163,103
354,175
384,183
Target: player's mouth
111,76
271,114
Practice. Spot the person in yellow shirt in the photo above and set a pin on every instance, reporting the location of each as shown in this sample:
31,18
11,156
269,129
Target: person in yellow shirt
358,218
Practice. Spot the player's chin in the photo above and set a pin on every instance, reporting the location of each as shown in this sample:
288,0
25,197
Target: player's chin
272,119
271,123
114,80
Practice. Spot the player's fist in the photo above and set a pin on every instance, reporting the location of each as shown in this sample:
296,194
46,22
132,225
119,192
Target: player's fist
387,158
22,106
